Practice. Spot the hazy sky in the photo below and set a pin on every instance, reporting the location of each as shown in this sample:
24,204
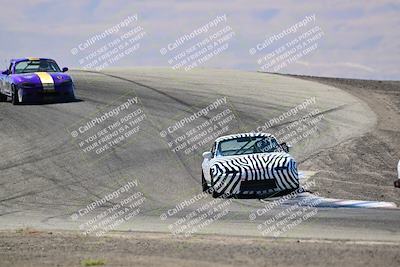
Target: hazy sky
361,39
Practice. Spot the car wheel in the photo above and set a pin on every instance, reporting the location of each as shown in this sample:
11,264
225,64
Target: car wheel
204,183
3,98
14,96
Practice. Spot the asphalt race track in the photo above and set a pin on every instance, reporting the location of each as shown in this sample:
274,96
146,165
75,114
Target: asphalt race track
45,179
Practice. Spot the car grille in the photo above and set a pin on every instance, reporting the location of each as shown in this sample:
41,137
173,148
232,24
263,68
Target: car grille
258,185
48,86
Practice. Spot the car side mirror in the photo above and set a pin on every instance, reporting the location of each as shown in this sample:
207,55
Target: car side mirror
207,155
65,69
6,72
285,147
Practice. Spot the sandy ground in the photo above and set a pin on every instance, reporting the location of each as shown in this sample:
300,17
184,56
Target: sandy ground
371,160
32,248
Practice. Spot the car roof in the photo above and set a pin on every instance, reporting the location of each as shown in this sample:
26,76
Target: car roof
16,60
234,136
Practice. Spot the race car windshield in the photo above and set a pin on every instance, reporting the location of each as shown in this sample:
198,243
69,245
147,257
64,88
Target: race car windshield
31,66
248,145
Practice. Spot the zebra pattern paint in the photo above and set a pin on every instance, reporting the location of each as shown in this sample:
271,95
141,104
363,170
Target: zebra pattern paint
253,173
229,173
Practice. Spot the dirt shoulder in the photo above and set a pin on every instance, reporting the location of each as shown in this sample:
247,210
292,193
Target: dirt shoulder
34,248
365,167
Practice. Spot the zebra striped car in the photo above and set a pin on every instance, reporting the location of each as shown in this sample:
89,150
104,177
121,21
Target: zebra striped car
248,164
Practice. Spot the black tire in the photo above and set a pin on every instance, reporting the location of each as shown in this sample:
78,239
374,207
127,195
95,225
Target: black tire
72,98
204,185
14,96
3,98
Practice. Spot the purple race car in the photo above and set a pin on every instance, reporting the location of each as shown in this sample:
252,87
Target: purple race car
33,79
